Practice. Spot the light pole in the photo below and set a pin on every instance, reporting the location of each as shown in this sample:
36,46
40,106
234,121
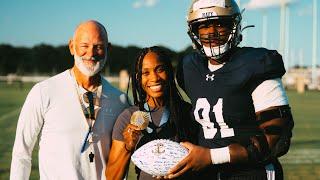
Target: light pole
287,37
282,40
314,44
264,28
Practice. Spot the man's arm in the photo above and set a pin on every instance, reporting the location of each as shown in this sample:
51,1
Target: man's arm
29,125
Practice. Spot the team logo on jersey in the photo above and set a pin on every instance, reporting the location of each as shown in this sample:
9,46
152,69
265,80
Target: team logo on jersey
208,77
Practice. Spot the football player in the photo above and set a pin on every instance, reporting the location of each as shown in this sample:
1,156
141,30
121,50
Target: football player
237,96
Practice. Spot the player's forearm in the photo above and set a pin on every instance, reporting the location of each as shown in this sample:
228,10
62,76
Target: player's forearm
237,154
234,153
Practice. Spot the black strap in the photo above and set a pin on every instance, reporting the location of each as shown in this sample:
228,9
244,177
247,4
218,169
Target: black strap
273,130
279,112
91,114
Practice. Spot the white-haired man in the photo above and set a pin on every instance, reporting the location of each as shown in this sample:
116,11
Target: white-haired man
72,113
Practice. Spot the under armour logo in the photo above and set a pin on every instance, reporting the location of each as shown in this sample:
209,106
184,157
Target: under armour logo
209,77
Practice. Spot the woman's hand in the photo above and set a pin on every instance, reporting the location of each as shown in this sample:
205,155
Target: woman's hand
131,136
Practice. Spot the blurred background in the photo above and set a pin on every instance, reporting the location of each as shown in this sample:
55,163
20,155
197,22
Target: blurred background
33,46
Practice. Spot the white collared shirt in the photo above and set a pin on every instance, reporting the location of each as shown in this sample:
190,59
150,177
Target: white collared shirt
53,113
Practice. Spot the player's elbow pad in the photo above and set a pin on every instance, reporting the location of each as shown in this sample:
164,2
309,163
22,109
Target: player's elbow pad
283,144
284,132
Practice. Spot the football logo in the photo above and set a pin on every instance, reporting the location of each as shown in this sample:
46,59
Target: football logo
208,77
159,149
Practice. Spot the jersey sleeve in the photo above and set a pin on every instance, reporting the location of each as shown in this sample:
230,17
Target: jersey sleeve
269,65
265,65
268,94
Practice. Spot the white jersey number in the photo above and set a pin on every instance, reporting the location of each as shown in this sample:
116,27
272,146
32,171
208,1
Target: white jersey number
208,127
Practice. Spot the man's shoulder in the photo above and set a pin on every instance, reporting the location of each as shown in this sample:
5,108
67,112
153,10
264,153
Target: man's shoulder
111,92
259,59
262,63
252,53
256,55
58,80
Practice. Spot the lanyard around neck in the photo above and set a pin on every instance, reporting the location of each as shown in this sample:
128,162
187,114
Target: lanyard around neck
89,94
164,117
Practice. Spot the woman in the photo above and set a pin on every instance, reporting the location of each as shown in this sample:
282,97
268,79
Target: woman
154,91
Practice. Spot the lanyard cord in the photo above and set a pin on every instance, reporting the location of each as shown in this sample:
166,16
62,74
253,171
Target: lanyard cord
91,112
164,117
90,99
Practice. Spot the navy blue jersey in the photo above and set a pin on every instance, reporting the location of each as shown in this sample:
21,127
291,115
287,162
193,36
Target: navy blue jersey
222,102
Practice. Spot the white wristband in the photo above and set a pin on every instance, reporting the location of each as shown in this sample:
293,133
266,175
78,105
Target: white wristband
220,155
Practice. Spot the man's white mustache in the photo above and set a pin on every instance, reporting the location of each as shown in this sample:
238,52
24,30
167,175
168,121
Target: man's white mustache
91,58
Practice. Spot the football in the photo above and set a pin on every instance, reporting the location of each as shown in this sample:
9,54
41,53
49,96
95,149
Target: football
157,157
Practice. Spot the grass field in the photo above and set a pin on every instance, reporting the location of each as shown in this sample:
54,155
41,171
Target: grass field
302,161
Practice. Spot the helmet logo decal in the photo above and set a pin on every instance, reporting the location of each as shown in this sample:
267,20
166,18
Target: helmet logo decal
208,77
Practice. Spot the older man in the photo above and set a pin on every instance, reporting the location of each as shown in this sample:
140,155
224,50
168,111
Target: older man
72,113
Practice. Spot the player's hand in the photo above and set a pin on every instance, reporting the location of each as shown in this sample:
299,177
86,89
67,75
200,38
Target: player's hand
198,158
131,136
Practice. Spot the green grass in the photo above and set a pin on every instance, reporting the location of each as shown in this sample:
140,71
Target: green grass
302,161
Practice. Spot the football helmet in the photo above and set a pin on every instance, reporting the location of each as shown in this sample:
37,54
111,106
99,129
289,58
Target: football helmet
224,17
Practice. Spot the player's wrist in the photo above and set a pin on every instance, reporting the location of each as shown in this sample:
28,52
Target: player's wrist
220,155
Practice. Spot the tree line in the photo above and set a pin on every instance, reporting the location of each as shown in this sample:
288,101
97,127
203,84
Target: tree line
45,59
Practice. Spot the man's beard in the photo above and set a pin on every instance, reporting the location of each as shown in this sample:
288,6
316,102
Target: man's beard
92,68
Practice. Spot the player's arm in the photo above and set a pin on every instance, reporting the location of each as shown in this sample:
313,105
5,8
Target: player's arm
273,113
275,123
273,142
120,153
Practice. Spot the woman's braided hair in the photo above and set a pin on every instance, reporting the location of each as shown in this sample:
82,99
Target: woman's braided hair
173,99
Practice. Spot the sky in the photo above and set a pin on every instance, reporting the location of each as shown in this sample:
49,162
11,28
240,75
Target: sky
150,22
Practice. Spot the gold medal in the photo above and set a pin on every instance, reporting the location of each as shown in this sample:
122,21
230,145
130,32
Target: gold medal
140,119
